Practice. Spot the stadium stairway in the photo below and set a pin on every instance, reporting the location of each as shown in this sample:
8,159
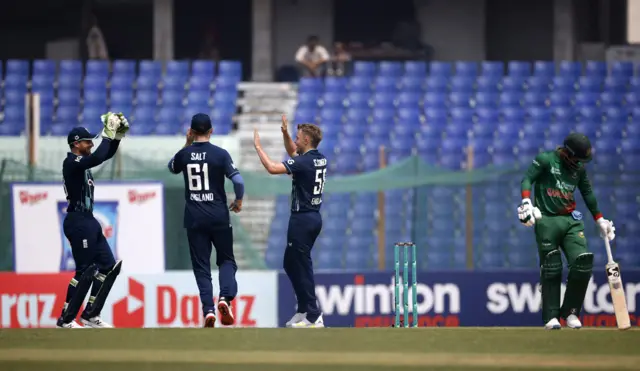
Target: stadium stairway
261,106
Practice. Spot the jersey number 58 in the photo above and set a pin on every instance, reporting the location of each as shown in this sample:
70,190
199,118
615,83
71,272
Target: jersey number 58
320,178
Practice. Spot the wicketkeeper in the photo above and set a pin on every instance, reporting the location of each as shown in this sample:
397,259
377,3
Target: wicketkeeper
96,267
559,226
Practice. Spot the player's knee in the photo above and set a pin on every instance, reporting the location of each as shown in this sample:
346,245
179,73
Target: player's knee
552,264
583,263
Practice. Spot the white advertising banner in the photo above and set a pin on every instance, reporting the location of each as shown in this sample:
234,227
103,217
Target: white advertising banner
170,299
131,215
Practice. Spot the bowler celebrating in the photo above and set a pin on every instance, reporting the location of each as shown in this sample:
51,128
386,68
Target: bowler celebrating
206,215
308,169
96,267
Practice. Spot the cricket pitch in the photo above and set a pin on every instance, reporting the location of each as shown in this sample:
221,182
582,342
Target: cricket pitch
320,349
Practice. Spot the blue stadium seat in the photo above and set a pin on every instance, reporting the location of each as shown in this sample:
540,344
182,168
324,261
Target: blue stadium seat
440,69
95,97
544,69
408,100
69,97
95,82
14,114
460,99
71,67
61,128
586,99
122,82
230,84
589,113
412,84
564,84
435,115
363,68
360,84
198,97
539,114
149,68
519,69
384,99
437,83
435,100
67,114
415,69
466,69
463,84
147,98
69,81
408,116
386,84
44,67
570,69
488,84
307,100
492,69
11,128
483,131
174,82
91,118
487,115
596,69
389,68
17,67
123,67
564,113
172,98
559,99
535,99
177,68
327,114
204,69
539,84
359,100
15,96
46,95
511,99
171,115
621,69
513,84
462,115
231,69
632,99
590,84
42,83
335,84
97,68
222,121
332,99
615,84
148,83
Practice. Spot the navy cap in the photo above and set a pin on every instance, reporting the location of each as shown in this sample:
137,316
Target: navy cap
79,133
200,123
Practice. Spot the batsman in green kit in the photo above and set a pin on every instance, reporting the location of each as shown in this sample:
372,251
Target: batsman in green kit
555,177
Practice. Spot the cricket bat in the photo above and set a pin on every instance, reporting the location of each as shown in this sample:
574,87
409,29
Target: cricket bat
617,290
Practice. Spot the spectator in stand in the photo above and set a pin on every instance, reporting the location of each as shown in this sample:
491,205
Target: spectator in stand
339,60
312,57
96,45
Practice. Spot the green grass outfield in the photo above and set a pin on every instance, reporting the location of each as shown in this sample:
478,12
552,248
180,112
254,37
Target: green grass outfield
320,349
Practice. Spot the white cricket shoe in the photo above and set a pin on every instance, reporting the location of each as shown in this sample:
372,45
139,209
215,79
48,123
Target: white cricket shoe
305,323
72,324
574,322
296,318
553,324
95,322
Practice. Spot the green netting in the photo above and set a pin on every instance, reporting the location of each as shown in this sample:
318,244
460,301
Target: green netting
434,207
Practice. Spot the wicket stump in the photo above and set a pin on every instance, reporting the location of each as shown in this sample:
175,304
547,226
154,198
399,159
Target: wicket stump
405,283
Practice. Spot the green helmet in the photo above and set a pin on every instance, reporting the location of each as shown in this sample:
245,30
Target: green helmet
578,149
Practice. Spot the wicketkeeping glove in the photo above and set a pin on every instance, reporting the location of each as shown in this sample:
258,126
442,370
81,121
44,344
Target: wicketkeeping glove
527,214
124,127
606,228
111,123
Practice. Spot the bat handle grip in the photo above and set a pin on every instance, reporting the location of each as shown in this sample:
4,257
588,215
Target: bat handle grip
607,246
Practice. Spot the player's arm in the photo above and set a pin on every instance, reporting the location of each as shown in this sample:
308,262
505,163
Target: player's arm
289,144
271,166
113,148
96,158
589,197
539,164
175,165
233,174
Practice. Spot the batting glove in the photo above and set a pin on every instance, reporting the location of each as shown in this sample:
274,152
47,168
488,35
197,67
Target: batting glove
527,214
111,123
606,229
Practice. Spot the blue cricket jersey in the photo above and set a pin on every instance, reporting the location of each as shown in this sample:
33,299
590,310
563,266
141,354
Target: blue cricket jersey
204,167
308,172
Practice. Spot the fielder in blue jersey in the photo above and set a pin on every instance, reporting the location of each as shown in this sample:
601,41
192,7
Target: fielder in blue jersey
308,170
206,215
96,267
